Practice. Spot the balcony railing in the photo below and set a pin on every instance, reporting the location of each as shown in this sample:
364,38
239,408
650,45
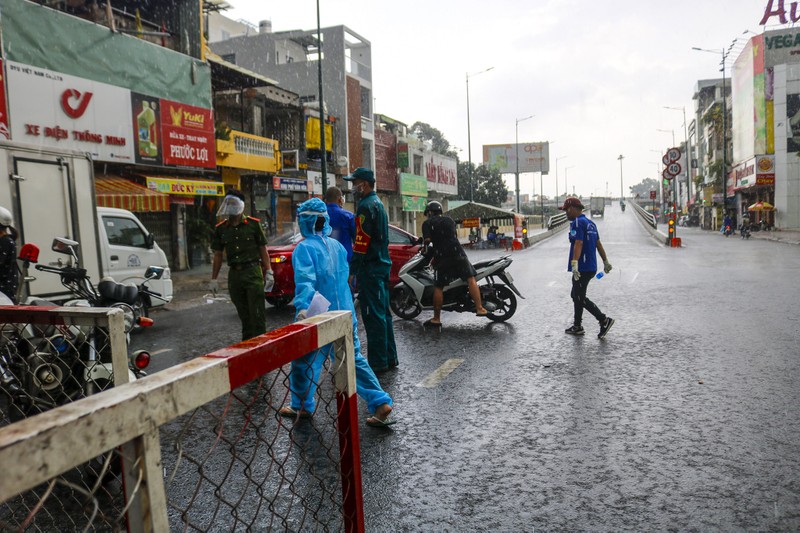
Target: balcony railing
247,151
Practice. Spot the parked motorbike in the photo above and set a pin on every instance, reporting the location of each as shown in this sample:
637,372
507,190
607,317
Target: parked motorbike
727,230
745,231
415,290
43,366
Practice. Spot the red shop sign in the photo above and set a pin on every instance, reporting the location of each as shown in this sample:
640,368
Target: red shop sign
188,135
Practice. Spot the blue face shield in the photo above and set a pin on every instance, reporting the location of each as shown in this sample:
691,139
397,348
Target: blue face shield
307,214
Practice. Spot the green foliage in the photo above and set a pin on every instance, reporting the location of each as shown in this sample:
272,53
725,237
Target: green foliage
198,231
426,132
489,188
643,189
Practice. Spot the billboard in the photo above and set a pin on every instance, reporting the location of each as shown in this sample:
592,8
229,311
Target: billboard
533,157
441,173
56,110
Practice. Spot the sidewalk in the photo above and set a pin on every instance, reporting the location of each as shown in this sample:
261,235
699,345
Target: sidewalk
788,236
189,286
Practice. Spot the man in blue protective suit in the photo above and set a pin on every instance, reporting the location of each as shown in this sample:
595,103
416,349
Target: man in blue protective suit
320,266
370,267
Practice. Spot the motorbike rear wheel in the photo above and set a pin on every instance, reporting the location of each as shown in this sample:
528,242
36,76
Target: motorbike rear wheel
404,303
506,302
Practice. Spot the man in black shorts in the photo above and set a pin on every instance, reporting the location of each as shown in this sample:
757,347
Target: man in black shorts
449,260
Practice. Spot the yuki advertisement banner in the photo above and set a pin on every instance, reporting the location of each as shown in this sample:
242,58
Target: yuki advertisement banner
187,134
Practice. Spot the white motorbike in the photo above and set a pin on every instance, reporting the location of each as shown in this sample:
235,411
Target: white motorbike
415,290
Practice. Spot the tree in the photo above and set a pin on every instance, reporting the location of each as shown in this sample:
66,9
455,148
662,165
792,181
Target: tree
643,189
489,187
426,132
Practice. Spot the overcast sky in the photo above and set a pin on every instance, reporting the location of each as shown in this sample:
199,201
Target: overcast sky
596,74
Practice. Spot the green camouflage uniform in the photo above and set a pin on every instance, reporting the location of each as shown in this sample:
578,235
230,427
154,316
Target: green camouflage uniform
371,266
242,244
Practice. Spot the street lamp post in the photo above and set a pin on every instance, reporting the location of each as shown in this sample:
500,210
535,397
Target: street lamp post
566,190
565,181
668,131
724,54
323,164
688,154
516,157
469,139
621,188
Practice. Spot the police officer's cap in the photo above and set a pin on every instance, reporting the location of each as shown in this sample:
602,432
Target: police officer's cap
361,173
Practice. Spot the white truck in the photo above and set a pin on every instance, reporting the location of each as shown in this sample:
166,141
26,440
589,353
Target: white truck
51,194
597,206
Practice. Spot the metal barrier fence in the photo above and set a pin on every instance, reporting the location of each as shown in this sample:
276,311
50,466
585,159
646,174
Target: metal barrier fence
556,220
201,446
50,356
646,216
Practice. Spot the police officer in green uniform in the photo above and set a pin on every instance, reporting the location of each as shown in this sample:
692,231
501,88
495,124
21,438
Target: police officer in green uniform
245,245
370,267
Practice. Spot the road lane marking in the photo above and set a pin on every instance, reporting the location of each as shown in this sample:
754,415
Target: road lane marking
435,377
164,350
634,277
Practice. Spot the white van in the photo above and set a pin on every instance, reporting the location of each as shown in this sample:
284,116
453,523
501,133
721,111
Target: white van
127,249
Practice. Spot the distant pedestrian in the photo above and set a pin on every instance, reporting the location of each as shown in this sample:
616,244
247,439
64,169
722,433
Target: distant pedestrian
343,222
370,267
584,244
320,268
245,245
9,274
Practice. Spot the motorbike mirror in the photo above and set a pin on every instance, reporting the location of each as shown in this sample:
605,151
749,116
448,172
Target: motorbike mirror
154,272
64,246
29,253
150,241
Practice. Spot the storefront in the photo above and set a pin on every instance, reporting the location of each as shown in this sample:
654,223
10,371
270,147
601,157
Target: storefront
754,183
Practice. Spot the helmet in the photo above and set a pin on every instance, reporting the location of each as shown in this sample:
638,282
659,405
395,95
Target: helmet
5,217
433,207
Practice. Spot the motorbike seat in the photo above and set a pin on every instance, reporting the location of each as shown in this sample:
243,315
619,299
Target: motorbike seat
486,263
117,292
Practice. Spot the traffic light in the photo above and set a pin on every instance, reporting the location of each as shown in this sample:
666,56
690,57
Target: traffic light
524,227
671,224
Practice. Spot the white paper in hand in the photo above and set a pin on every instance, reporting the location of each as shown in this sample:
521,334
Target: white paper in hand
319,304
269,284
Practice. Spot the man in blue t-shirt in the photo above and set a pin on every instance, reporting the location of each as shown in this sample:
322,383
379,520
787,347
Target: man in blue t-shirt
342,221
584,244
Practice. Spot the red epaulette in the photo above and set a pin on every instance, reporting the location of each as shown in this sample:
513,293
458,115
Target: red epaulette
221,223
254,219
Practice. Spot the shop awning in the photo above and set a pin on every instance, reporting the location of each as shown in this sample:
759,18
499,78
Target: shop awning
113,191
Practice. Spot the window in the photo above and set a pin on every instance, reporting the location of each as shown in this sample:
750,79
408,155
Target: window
124,232
397,237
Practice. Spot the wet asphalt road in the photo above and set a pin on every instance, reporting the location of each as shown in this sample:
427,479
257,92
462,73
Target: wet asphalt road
684,418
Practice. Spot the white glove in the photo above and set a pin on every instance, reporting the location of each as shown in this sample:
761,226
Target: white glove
607,266
301,314
213,286
575,274
269,281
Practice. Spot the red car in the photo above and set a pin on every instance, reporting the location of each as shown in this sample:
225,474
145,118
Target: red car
402,247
